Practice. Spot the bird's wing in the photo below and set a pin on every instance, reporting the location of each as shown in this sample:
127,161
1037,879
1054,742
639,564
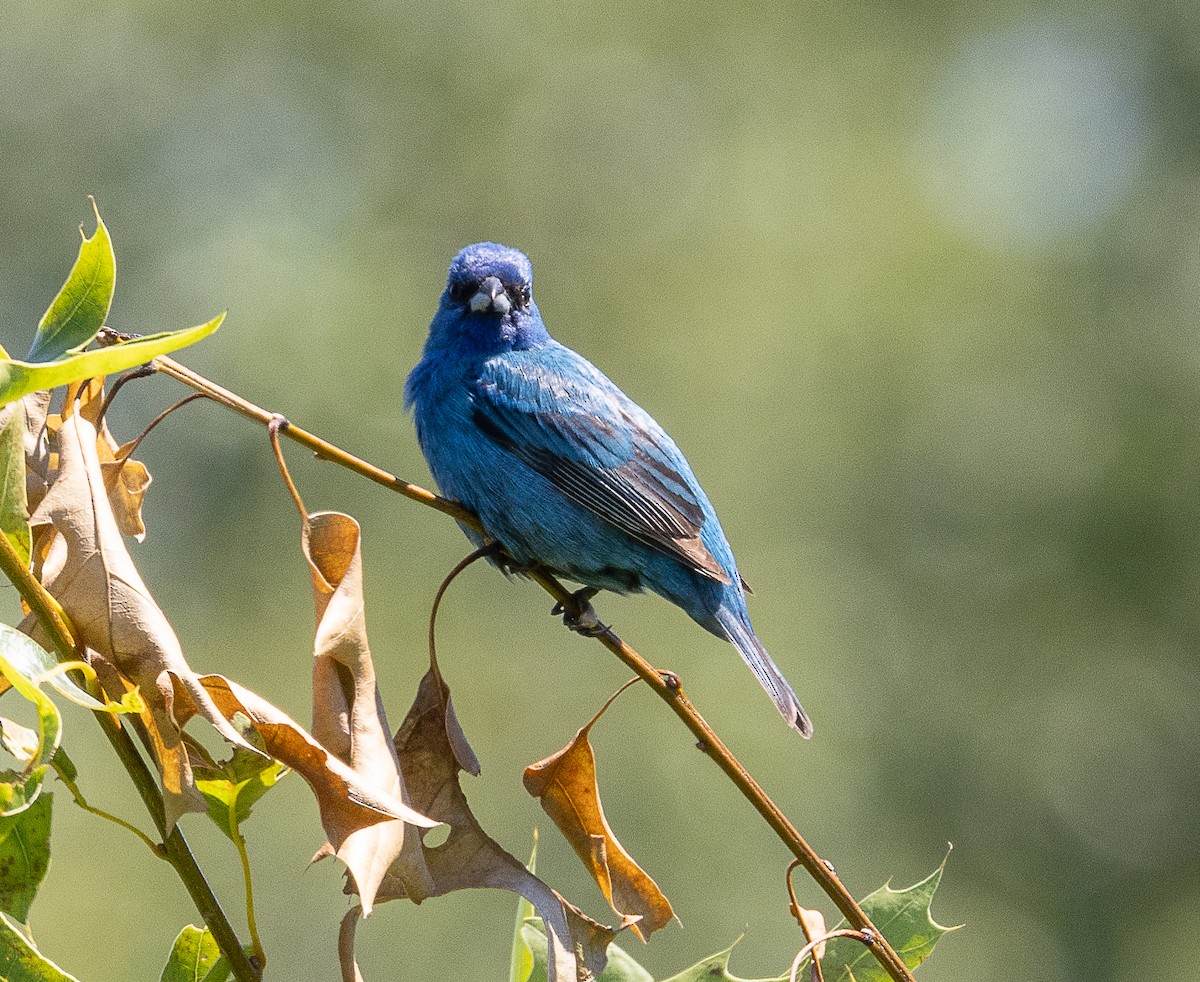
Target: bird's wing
562,417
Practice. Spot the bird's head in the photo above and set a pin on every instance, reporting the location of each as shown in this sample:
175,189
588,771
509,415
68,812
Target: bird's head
488,300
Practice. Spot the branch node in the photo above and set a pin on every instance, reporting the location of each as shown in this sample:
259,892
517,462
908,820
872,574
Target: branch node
670,679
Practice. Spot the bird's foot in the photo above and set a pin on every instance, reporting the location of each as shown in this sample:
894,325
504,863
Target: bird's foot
513,568
580,616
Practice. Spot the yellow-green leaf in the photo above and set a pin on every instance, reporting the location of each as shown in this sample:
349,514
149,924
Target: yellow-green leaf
14,515
19,378
24,855
20,961
195,957
78,312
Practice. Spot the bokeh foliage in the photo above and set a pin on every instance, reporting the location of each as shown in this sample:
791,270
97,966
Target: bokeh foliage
913,285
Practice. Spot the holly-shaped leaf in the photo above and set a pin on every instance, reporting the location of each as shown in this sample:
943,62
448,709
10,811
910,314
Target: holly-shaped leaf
906,919
715,968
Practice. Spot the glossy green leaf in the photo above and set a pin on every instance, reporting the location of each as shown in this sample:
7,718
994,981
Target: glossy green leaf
195,957
621,966
520,965
49,727
233,787
14,518
38,666
24,855
20,961
77,313
906,919
18,740
18,378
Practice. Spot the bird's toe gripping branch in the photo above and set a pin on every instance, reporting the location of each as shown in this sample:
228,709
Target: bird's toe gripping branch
580,616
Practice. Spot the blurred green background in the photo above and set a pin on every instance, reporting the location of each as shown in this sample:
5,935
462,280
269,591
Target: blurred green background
914,286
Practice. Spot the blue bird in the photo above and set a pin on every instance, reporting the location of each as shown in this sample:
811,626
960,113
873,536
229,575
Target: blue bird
564,470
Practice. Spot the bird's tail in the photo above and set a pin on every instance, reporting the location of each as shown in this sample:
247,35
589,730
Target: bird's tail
738,630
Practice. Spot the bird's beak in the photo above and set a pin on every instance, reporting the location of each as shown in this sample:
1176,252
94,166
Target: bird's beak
491,297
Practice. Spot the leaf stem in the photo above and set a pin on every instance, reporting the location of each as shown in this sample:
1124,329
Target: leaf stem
82,802
178,853
251,923
667,687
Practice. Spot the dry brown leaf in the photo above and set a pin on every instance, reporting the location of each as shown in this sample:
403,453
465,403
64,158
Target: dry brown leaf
89,571
813,923
125,480
346,800
565,783
348,715
433,749
37,449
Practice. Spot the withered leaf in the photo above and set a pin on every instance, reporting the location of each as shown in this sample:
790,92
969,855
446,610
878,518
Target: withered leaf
348,715
346,800
813,923
125,480
89,571
433,749
565,784
37,449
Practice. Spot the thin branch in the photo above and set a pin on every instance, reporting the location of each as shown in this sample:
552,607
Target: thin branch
866,937
797,912
665,685
178,853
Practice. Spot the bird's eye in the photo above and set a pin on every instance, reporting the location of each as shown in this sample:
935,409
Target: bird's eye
523,295
460,291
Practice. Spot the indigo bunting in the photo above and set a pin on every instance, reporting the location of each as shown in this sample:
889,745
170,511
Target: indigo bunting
565,471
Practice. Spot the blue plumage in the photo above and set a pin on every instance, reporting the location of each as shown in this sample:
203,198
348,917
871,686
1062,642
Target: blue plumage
563,469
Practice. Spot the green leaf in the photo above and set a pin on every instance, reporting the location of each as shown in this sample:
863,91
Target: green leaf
24,857
14,515
521,962
38,666
20,961
903,916
21,792
906,919
716,967
18,740
18,378
78,312
232,788
620,968
195,957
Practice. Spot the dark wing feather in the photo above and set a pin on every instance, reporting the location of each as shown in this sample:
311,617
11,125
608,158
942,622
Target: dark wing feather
569,423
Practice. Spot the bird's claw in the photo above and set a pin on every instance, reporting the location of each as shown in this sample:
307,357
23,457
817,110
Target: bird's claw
580,616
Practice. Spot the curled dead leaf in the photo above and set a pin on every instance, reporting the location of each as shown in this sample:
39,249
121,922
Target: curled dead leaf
89,571
125,480
433,750
346,800
348,714
565,784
